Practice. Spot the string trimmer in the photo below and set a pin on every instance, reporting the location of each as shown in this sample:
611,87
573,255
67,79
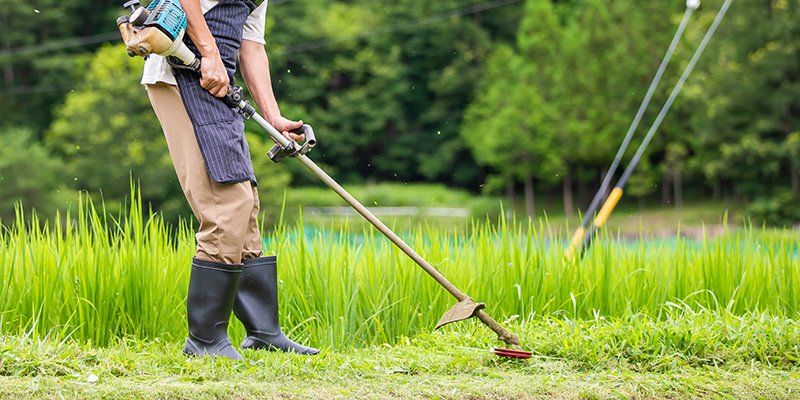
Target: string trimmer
159,29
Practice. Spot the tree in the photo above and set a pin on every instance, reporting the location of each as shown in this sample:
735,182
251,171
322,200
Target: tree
390,94
511,125
28,175
750,93
37,79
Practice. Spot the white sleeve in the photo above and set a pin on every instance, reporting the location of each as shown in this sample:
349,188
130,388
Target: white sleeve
157,70
254,26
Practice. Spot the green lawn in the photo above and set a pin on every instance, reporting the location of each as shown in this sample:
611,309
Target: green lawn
722,357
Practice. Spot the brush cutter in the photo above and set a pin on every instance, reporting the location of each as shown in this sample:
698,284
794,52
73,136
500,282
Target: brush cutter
159,29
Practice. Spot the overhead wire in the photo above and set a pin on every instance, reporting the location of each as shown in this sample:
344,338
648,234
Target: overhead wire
113,36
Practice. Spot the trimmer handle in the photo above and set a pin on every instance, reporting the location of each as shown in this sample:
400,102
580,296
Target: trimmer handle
278,152
306,130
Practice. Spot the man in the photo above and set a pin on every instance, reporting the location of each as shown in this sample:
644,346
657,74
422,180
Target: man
212,160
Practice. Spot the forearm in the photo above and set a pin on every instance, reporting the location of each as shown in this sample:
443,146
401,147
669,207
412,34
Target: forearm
255,70
197,29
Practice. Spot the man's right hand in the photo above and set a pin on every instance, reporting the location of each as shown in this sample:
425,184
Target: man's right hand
214,75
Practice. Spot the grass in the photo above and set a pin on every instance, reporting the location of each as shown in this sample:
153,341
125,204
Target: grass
93,306
694,355
95,279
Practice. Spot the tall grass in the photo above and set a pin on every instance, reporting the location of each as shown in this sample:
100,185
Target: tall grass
98,278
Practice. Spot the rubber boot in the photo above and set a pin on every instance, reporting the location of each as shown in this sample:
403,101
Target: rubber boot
212,288
256,306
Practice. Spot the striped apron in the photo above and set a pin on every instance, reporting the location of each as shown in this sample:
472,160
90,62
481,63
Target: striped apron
219,129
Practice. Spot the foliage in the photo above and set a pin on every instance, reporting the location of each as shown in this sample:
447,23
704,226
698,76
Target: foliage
107,134
28,174
272,178
749,94
535,93
36,79
780,209
390,102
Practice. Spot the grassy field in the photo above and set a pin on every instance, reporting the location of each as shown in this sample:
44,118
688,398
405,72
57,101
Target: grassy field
692,356
93,296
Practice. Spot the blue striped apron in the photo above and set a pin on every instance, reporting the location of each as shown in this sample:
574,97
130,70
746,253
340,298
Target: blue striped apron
218,128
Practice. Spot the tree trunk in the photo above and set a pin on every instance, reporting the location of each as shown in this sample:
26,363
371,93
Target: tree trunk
548,197
642,204
676,180
717,189
569,209
530,206
665,190
796,181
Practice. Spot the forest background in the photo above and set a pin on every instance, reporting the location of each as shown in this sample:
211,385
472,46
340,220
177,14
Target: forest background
515,98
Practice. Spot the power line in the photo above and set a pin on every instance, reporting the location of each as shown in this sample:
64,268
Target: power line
61,44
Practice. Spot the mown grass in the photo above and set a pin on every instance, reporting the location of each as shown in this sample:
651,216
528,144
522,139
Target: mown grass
96,279
689,356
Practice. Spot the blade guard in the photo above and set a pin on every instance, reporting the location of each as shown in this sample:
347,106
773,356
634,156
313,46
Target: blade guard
511,353
278,152
462,310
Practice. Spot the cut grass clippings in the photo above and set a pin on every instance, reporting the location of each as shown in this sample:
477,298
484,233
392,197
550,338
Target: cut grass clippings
622,358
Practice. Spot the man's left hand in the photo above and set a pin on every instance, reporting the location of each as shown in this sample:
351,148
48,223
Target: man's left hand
284,125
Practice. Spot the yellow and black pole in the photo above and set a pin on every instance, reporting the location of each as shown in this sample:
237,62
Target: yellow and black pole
587,223
583,236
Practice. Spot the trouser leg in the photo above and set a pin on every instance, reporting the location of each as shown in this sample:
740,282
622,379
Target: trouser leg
228,231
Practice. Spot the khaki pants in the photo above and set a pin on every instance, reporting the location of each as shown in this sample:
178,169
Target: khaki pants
227,213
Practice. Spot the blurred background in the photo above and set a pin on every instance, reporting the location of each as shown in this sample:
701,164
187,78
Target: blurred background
432,110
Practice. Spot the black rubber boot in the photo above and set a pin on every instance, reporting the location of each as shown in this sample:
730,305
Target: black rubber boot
256,306
212,288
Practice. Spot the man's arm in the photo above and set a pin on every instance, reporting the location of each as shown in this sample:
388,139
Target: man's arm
255,70
214,75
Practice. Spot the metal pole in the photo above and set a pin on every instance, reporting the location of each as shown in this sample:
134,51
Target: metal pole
581,231
608,207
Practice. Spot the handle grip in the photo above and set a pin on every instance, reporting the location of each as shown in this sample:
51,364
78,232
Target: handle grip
278,152
306,130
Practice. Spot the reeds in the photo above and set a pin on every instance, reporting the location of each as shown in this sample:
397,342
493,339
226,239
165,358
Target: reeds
97,278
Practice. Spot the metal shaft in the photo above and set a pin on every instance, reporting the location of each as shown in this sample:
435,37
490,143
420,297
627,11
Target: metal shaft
502,333
587,219
608,207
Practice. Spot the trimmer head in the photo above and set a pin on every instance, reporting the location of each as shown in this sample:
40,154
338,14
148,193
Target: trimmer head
460,311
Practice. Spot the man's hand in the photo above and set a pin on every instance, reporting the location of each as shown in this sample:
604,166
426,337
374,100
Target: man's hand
214,75
284,125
